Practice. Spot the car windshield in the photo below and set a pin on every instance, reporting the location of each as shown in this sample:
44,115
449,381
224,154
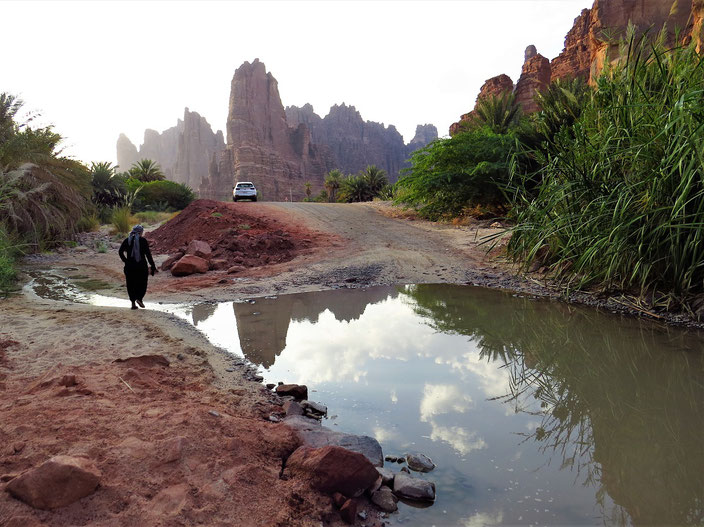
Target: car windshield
245,185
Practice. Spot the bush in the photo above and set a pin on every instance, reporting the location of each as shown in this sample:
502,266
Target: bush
122,220
8,253
88,223
160,196
451,175
620,194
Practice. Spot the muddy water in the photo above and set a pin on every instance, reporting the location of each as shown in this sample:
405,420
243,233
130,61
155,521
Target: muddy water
535,412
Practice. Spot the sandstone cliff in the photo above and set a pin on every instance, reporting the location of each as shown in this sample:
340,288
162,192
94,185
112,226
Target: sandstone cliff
594,39
261,147
492,88
184,151
357,143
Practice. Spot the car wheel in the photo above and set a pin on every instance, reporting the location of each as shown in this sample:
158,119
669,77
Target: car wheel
234,199
254,199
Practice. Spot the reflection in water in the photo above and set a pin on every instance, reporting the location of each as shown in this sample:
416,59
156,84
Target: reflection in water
202,312
623,404
263,325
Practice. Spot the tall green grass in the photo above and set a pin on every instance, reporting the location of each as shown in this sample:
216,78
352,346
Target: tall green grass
620,195
122,220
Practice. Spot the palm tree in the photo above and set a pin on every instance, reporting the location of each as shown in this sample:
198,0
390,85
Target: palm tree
146,170
498,112
308,187
109,187
332,184
376,180
354,189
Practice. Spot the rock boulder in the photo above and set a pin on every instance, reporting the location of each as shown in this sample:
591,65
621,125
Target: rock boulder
406,486
190,264
333,469
56,483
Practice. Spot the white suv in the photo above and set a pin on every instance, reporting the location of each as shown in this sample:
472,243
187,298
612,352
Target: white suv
244,190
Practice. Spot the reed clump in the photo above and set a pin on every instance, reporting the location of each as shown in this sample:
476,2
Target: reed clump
618,195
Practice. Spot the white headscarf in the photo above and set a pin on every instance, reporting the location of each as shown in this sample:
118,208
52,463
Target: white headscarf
137,231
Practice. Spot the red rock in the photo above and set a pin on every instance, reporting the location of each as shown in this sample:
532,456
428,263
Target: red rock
333,469
170,501
56,483
348,512
189,264
338,499
171,260
68,381
199,248
236,269
586,46
298,391
171,449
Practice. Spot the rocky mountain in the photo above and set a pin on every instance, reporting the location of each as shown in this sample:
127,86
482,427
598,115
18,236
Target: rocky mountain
278,149
184,151
262,147
594,39
357,143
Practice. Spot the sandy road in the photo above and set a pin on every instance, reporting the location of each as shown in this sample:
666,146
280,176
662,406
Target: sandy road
372,248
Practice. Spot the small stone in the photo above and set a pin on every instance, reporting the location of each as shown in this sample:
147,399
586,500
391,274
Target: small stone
315,407
181,356
391,459
270,386
338,499
229,370
292,408
419,462
68,381
362,515
257,378
189,264
18,447
348,511
401,460
172,449
406,470
384,499
387,476
411,488
214,413
298,391
274,419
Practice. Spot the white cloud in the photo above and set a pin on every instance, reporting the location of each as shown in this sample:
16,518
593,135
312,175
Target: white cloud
443,399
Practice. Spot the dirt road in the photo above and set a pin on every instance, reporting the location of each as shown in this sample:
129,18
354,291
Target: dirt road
359,245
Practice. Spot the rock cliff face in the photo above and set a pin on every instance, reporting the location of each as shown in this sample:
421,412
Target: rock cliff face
535,77
597,31
184,151
261,147
357,143
594,39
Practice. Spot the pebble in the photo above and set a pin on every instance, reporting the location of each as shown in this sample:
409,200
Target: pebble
214,413
362,515
274,419
271,386
391,459
181,356
230,370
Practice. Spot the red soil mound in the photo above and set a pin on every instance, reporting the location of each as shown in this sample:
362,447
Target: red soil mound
235,237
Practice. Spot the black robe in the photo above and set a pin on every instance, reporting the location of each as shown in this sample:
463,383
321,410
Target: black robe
136,272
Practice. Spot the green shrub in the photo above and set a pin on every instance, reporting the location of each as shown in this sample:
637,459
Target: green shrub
152,217
620,193
8,254
122,220
88,223
161,196
451,175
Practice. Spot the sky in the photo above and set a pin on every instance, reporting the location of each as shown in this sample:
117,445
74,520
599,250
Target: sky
97,69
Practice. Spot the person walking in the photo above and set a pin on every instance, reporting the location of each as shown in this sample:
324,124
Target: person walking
134,251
